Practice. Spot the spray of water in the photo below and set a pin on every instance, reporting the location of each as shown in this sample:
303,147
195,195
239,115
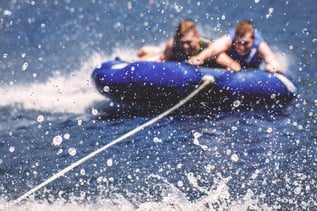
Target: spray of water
72,93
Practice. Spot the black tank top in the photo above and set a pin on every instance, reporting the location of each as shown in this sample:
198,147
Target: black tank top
180,55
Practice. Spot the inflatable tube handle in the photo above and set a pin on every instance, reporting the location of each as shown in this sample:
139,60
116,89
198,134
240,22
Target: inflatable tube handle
288,84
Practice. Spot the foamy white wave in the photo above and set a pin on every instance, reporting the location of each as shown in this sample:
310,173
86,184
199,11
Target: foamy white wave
217,197
73,93
101,205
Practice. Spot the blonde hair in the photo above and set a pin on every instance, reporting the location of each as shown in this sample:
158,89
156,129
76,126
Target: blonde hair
184,27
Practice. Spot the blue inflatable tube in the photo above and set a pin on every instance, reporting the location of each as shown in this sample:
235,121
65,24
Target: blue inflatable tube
165,83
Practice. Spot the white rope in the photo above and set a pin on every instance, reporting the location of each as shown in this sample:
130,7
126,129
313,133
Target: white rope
206,81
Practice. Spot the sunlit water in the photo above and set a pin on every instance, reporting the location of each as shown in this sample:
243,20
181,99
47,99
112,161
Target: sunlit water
51,115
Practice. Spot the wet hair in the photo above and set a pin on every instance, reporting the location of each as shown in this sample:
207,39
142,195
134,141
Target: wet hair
184,27
244,27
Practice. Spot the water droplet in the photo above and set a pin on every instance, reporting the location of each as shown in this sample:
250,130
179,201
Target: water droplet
180,165
57,140
82,194
7,12
209,168
99,179
40,118
297,190
25,66
236,103
178,8
109,162
234,157
269,130
307,188
60,151
197,135
305,31
66,136
72,151
157,140
11,149
106,88
180,184
270,12
228,151
94,111
82,172
273,96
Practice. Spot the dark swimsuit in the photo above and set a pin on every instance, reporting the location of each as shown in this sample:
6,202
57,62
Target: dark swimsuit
180,55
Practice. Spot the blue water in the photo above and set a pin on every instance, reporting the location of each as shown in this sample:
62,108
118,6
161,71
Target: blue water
51,114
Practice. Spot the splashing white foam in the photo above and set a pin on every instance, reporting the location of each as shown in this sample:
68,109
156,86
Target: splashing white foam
216,197
73,93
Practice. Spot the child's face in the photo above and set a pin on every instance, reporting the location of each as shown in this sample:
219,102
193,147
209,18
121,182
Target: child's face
244,44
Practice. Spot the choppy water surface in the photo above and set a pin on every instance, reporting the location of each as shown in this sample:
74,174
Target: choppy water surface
51,114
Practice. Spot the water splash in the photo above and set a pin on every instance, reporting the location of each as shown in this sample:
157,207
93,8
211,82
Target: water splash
70,94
